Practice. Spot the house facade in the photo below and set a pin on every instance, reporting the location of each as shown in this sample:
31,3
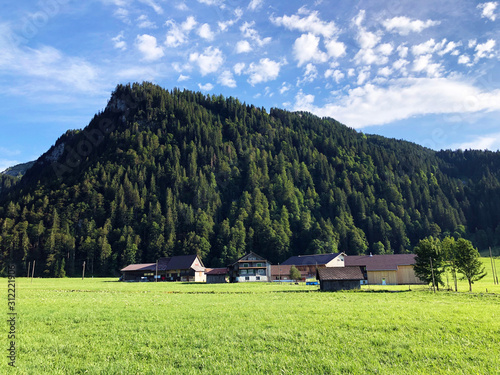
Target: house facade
187,268
250,267
389,269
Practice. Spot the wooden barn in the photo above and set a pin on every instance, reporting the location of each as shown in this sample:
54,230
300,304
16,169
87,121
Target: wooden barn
217,275
250,267
390,269
340,278
308,264
178,268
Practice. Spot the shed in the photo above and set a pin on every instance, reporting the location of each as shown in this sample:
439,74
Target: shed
217,275
340,278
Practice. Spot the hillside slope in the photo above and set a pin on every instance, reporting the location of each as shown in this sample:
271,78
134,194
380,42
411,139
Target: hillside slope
176,172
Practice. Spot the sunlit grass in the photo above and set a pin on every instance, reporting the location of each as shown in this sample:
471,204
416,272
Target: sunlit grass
100,326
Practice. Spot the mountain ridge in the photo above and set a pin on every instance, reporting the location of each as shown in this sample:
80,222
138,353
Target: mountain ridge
160,173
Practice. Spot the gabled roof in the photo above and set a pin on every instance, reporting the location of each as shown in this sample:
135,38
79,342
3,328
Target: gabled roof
307,260
388,262
180,262
139,267
251,254
340,273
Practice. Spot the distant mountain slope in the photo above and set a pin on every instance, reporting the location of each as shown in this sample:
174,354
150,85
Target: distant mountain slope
162,173
18,170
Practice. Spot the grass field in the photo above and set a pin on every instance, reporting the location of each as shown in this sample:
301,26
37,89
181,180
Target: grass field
100,326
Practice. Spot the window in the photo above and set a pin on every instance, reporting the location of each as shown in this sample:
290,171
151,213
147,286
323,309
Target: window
261,272
245,264
247,278
259,264
250,272
257,278
243,272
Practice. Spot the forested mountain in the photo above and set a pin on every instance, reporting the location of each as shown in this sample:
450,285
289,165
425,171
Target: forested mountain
161,173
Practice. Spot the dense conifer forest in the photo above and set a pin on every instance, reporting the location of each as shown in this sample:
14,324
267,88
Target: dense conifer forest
161,173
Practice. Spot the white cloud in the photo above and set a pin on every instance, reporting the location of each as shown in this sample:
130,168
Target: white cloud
385,71
209,61
484,50
224,25
249,32
5,163
178,34
363,76
158,9
306,49
182,78
243,46
119,42
465,60
148,46
205,32
255,4
488,10
424,64
310,23
488,142
402,51
145,23
310,74
238,68
404,25
205,87
335,48
227,79
424,48
284,88
337,75
405,98
265,70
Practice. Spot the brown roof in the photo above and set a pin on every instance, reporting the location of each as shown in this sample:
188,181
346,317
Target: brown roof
388,262
284,270
316,259
217,271
180,262
340,273
140,267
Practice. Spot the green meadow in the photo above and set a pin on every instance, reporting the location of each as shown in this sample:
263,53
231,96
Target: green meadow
101,326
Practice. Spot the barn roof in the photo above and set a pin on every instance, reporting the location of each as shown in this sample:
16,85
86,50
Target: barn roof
283,270
307,260
180,262
139,267
340,273
388,262
217,271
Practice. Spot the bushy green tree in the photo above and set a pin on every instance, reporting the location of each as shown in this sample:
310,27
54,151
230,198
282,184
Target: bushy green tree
429,261
467,262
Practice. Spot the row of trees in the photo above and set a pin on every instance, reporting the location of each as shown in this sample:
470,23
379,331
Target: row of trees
436,257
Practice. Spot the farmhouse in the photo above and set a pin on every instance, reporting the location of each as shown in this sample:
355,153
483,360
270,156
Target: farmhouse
308,264
340,278
178,268
217,275
386,269
250,267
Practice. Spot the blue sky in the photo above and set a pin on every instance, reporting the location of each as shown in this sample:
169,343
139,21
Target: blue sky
426,71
